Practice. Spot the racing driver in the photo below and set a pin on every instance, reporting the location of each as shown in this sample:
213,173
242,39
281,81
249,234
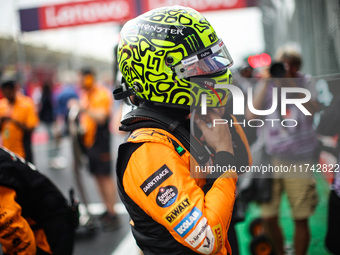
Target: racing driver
172,61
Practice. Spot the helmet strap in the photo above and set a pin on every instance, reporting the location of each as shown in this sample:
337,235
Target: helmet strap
122,91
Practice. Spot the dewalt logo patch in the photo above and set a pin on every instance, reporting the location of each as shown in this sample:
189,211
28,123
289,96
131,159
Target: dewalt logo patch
177,210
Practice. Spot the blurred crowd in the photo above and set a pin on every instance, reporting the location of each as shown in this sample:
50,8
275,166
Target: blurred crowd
299,145
50,94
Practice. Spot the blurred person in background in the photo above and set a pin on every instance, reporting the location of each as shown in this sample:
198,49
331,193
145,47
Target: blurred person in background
67,92
63,96
35,218
18,118
95,110
330,126
286,146
46,115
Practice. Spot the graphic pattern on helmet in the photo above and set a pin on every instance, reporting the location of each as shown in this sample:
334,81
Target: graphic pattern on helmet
154,43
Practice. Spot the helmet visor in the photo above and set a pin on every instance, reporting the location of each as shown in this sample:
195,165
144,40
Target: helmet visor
208,61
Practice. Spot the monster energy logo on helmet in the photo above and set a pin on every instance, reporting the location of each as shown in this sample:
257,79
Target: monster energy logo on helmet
161,29
192,41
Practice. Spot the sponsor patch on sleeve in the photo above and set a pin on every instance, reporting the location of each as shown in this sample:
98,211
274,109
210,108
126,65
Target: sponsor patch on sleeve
188,222
156,179
208,243
166,196
199,233
177,210
217,230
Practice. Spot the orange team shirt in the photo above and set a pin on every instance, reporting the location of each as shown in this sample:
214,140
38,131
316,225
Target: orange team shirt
99,100
23,110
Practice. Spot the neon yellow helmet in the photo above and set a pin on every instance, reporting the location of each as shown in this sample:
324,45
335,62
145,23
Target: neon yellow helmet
172,55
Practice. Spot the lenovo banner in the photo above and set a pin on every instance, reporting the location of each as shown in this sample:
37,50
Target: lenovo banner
92,12
199,5
75,14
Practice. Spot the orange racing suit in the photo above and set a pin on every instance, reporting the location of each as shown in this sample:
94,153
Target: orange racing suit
172,212
34,216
